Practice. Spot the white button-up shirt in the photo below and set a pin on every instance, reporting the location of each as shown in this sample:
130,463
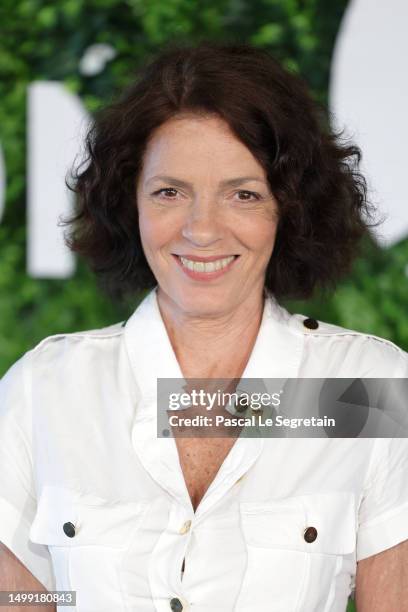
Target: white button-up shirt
78,444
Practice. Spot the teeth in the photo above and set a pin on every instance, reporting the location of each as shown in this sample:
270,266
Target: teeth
209,266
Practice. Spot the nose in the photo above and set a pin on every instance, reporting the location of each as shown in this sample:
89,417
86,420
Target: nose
202,226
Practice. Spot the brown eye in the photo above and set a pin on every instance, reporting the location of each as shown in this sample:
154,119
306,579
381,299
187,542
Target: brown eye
249,194
166,190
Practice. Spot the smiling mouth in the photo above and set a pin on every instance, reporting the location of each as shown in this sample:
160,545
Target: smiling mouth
206,266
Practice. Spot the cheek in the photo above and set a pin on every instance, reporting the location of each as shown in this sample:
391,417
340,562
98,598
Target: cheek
155,230
259,235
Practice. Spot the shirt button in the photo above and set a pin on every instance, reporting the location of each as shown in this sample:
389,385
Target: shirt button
310,534
185,528
176,605
69,529
311,323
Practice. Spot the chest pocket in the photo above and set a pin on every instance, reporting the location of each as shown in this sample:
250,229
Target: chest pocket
87,537
300,553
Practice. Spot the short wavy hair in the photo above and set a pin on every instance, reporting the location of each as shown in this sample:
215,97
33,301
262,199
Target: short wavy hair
312,171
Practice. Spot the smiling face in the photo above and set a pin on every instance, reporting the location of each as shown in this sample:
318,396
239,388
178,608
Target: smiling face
207,216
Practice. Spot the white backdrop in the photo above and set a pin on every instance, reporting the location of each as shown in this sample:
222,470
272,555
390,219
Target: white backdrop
369,95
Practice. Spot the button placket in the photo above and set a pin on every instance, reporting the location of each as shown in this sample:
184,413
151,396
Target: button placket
185,531
165,577
185,528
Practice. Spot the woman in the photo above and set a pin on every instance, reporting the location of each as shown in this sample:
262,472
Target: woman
215,182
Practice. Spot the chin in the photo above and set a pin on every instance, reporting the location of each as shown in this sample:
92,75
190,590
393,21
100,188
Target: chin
204,302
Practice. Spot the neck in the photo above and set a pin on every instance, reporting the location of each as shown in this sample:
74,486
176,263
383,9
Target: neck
219,346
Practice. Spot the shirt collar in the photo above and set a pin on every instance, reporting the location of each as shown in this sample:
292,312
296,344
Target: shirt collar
276,353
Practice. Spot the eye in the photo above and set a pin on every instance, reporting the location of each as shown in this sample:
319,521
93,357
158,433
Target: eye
250,195
166,189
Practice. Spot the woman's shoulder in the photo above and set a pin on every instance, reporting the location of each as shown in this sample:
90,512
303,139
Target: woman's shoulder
63,349
352,350
62,341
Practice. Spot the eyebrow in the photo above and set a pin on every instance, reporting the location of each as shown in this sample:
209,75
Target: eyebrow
233,182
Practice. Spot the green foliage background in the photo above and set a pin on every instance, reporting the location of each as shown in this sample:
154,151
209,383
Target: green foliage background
46,40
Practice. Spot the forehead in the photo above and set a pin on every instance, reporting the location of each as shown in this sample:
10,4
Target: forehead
186,143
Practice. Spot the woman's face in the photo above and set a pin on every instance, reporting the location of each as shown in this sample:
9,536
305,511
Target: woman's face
207,216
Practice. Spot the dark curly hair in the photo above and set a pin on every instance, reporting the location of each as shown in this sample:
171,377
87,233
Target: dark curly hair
312,172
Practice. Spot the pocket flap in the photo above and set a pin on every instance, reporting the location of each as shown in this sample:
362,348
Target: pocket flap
97,521
282,523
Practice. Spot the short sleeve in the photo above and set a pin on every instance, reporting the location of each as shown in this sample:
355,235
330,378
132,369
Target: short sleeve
383,512
17,489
